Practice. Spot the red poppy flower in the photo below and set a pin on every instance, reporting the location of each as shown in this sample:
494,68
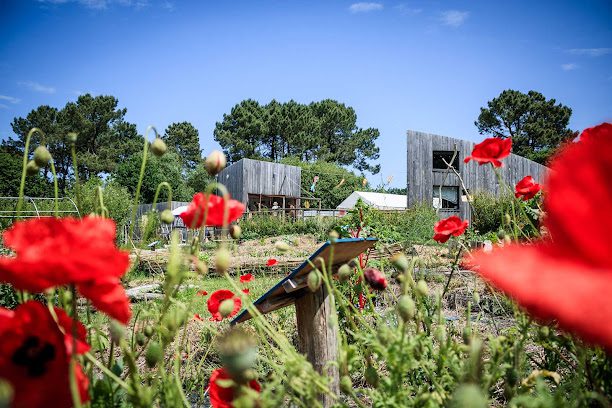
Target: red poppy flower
527,188
202,293
53,252
375,278
271,262
215,300
221,397
35,355
197,316
491,150
246,291
193,217
247,278
567,278
452,225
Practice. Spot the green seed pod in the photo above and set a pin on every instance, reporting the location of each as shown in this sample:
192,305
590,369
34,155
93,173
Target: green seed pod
467,334
469,396
148,331
371,376
281,246
72,137
314,280
226,307
346,385
344,273
140,339
422,288
400,261
158,147
166,217
544,332
117,367
153,354
508,219
42,157
476,297
440,334
406,308
215,162
32,168
222,260
117,331
235,231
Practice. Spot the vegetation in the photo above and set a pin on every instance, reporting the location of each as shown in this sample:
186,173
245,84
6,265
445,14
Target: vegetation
537,126
324,130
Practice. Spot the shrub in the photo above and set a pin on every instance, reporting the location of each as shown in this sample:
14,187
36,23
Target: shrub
269,226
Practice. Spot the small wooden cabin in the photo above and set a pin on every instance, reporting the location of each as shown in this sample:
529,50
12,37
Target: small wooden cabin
429,181
261,184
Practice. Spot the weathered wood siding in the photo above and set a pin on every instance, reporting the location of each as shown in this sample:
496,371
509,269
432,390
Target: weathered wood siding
259,177
421,177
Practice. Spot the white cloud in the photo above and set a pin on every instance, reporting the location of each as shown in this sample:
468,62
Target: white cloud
365,7
569,67
3,106
590,52
454,18
10,99
36,87
405,10
102,4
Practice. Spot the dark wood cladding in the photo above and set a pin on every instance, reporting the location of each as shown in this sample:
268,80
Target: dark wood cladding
248,176
421,177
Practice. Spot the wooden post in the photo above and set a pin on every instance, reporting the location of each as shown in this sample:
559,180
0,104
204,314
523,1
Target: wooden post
317,340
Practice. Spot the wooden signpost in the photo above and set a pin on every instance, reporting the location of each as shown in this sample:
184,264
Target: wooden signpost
317,340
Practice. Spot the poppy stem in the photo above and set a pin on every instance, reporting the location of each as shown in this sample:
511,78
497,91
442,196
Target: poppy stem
74,390
23,169
77,183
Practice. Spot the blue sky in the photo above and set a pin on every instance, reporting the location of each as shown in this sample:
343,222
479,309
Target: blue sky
422,65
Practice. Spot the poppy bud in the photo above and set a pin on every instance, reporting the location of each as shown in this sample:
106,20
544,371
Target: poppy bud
72,137
385,334
148,331
201,267
508,219
314,280
440,334
6,393
215,162
346,385
166,217
467,335
281,246
544,332
153,354
222,260
158,147
117,331
400,261
226,307
32,168
406,308
375,278
344,273
371,376
140,339
469,396
333,236
235,231
42,157
422,288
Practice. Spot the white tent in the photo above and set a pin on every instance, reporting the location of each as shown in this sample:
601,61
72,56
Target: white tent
380,201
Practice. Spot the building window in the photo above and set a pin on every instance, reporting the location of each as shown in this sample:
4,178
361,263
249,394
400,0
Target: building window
439,157
449,199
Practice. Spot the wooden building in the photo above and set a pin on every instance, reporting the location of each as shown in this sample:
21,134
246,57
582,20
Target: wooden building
260,184
429,180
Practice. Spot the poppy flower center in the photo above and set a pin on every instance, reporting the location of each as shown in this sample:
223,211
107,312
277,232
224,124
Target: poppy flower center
34,356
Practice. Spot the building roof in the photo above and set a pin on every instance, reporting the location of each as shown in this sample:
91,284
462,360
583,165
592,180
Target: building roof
381,201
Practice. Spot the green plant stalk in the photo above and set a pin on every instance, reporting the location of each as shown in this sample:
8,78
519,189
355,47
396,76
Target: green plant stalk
23,168
74,390
77,183
55,188
140,178
106,371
